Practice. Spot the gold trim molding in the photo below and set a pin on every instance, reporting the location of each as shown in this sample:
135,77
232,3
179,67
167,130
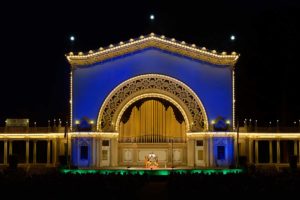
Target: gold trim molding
156,41
170,89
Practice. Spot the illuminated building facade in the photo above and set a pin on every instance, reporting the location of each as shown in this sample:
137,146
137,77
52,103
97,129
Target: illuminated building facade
151,96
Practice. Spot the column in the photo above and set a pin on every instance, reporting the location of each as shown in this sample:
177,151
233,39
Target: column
205,151
94,164
299,151
34,152
211,152
27,151
48,152
99,151
256,151
295,147
190,152
235,150
5,152
10,148
278,151
54,151
114,152
270,152
69,147
250,150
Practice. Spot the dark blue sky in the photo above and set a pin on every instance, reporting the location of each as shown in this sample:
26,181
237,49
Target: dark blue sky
34,38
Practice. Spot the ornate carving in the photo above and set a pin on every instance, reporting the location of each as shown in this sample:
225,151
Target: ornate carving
146,83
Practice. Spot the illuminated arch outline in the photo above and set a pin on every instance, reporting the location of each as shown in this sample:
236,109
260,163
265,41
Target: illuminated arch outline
130,89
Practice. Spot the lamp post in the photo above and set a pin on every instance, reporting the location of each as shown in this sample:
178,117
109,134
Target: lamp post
212,124
49,126
77,122
255,129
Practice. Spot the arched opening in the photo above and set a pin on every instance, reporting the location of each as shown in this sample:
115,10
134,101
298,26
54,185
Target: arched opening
190,105
152,120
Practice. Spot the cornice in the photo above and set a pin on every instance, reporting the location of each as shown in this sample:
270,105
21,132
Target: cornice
156,41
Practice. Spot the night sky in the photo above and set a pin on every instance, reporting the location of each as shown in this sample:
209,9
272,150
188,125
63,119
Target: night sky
35,37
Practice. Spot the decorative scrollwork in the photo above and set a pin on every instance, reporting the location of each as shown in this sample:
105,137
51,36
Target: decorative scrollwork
149,82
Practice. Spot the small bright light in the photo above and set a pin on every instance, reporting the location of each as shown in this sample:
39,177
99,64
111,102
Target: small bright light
77,122
72,38
227,121
213,121
152,17
232,37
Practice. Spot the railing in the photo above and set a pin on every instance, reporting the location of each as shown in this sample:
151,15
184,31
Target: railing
148,138
256,129
152,139
57,129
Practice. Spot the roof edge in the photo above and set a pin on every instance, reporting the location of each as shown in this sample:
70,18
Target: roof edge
152,40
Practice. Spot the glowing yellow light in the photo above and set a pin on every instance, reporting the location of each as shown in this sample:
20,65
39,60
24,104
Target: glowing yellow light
77,122
156,41
213,121
92,122
71,100
227,121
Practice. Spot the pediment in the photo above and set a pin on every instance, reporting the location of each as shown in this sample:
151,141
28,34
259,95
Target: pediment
155,41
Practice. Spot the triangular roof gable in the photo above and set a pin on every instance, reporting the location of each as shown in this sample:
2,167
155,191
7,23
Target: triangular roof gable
152,40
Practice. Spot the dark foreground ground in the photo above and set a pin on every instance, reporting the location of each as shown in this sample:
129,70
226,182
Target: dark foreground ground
54,185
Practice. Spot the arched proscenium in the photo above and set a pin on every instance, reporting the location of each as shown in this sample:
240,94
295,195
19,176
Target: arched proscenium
152,83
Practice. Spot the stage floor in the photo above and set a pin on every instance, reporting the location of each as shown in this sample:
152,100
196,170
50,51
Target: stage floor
150,171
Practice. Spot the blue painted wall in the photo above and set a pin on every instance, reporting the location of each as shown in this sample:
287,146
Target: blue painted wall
228,144
92,84
75,158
